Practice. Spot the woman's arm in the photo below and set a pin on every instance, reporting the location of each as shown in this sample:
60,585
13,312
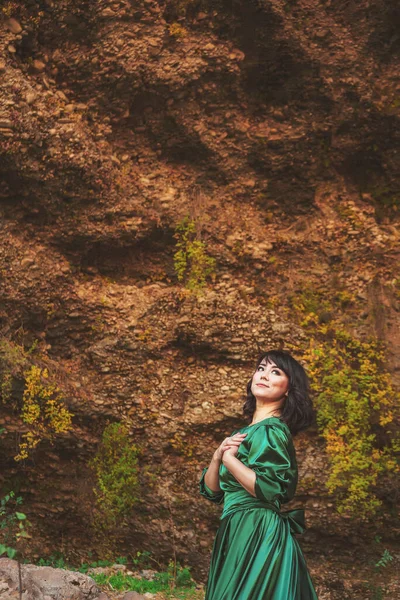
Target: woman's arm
212,476
245,476
271,469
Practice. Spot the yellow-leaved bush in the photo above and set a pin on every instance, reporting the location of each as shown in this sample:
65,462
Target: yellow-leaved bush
356,407
43,411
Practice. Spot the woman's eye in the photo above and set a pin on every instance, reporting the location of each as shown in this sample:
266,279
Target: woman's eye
276,371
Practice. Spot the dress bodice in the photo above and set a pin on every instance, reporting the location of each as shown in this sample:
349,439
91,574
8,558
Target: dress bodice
268,450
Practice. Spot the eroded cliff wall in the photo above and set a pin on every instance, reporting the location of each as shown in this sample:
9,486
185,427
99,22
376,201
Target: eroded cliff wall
274,125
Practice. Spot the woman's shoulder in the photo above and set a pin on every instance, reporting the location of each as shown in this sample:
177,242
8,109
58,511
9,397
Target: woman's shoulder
267,423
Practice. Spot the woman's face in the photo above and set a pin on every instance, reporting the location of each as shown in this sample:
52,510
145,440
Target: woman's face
269,382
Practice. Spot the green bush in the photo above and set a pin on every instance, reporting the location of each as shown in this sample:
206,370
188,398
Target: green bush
191,261
116,467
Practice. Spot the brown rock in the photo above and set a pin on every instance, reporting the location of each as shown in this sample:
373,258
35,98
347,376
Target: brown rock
27,262
107,12
2,66
61,95
133,596
38,66
13,25
31,97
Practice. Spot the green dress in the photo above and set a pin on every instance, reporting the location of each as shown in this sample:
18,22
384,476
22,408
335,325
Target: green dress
255,555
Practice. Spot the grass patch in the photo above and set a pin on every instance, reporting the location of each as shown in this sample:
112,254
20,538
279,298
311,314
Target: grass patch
176,582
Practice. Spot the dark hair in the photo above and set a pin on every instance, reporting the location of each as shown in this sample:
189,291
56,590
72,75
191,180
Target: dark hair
297,411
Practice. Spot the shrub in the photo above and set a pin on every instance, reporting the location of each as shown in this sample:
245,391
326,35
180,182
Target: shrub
177,31
116,467
356,406
191,261
39,403
42,410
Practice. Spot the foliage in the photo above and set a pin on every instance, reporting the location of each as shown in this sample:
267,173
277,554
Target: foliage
377,592
12,524
181,446
9,9
177,31
191,261
144,559
14,359
42,410
175,576
163,580
115,466
355,401
57,562
385,559
179,8
40,407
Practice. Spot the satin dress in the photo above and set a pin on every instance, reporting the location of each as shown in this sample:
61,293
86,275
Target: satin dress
255,555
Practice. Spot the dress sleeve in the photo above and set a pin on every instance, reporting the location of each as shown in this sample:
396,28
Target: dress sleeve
269,457
217,497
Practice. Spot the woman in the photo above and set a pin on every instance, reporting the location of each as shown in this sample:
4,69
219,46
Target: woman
255,555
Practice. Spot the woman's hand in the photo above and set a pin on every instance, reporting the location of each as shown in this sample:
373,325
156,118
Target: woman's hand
230,444
228,453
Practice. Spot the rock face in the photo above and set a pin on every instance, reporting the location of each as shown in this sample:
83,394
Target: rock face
44,583
274,124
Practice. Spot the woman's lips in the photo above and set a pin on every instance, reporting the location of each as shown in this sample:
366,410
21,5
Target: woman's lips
262,384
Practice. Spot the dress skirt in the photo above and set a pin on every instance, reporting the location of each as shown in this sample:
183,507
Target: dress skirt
256,557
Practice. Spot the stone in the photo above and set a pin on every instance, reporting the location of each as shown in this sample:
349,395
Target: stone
13,25
61,95
120,568
148,574
42,582
102,596
133,596
107,12
282,328
27,262
2,66
95,570
30,97
12,49
38,66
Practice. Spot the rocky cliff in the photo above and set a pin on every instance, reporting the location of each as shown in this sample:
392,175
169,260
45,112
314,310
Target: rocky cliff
274,125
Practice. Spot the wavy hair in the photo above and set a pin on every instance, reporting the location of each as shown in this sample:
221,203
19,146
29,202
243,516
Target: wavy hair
297,411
